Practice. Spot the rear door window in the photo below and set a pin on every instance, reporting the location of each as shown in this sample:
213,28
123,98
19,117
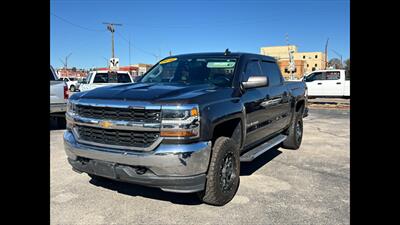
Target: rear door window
334,75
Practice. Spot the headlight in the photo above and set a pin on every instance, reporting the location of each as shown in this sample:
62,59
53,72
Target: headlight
70,108
180,122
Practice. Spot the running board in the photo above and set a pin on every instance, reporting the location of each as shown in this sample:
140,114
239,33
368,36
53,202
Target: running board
254,153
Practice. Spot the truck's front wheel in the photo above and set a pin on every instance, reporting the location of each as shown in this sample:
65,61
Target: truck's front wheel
223,173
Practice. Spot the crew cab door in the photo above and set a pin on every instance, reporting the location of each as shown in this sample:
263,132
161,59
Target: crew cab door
333,85
255,99
315,83
277,105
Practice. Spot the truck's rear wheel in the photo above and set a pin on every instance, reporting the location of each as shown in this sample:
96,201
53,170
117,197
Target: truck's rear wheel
223,173
295,133
72,88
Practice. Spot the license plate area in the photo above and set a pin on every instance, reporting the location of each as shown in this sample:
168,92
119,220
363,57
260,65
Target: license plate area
105,169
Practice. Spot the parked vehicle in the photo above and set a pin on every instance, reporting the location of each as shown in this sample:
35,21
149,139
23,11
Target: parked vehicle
97,79
58,97
187,124
71,82
79,82
332,83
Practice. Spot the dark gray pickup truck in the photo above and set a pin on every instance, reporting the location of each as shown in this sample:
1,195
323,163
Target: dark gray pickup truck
186,125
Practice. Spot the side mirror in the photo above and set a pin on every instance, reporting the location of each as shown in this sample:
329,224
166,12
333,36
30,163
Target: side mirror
255,81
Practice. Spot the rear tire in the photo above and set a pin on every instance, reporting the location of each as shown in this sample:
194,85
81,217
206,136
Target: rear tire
223,175
294,132
72,88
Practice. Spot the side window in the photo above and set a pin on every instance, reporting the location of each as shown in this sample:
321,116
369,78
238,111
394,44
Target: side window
271,70
316,76
333,75
252,69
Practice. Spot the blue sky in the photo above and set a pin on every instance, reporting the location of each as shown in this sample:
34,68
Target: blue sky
156,27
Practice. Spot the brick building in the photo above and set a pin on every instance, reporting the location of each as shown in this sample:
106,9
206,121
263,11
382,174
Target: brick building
305,62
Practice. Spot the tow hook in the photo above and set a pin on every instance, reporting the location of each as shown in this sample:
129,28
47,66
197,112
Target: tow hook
140,170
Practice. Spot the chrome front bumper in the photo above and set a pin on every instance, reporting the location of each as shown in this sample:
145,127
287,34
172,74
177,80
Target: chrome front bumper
164,160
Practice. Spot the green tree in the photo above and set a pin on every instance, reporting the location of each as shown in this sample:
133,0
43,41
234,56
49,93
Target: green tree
347,65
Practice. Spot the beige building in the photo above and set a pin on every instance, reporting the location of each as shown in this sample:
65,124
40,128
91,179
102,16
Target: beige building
311,60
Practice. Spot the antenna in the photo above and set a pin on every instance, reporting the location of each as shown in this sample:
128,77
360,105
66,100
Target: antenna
227,52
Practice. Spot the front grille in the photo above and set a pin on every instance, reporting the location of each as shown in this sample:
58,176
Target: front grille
125,114
140,139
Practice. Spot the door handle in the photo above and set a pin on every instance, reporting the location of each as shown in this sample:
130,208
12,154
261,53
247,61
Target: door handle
319,83
338,83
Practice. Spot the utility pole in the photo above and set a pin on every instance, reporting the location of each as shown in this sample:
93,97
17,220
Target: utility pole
170,52
110,27
326,54
65,62
341,60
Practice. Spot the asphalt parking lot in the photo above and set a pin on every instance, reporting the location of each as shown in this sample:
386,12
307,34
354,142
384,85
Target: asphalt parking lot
306,186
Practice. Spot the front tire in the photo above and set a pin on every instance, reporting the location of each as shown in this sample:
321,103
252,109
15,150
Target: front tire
223,175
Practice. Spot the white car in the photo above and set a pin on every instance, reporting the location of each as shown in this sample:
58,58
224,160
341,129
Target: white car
328,83
71,82
103,78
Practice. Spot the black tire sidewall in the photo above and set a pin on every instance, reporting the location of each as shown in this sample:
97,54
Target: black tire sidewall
221,148
299,118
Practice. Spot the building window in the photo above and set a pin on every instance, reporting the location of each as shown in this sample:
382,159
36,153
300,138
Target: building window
315,65
304,56
308,65
316,56
313,68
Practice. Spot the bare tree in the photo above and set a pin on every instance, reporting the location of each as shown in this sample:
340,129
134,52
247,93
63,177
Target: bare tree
335,63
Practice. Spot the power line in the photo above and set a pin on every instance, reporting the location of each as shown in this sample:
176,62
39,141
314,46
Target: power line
142,50
76,25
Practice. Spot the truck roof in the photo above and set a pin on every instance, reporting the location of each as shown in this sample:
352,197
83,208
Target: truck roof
219,54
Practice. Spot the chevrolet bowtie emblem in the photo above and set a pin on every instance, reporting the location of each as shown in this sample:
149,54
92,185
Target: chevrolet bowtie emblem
105,124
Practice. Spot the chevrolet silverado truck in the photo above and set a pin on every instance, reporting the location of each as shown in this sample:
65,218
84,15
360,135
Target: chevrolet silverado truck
186,124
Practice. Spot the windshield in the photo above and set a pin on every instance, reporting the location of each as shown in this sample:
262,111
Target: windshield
217,71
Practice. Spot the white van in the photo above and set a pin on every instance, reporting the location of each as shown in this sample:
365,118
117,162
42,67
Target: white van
102,78
328,83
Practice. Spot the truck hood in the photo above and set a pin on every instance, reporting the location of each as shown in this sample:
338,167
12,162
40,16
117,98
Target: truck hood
149,92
